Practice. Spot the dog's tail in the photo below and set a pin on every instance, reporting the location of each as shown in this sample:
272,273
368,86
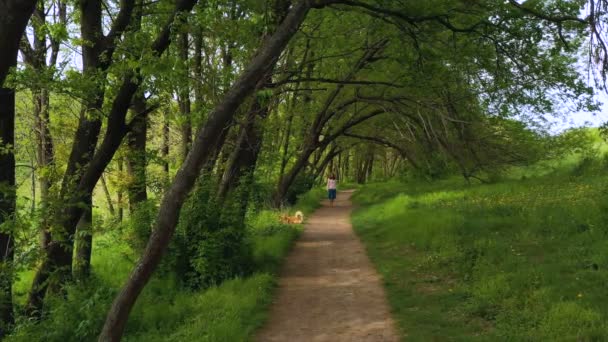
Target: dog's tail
300,216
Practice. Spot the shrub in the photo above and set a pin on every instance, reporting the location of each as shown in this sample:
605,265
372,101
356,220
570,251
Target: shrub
211,244
136,230
302,184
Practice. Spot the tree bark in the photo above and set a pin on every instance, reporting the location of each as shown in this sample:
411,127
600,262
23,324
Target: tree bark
327,161
45,159
15,15
197,71
244,157
120,193
288,179
84,246
370,166
136,155
184,94
249,143
184,181
7,205
285,147
164,151
106,192
11,31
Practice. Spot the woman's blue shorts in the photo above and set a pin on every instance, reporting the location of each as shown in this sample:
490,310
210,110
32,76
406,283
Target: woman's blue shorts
331,194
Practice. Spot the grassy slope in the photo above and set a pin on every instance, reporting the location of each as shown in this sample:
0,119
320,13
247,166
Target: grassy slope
230,312
518,260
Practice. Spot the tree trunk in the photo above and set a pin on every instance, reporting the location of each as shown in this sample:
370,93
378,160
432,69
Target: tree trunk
165,145
370,166
15,15
184,95
60,250
120,193
7,205
45,156
249,143
197,71
59,254
106,192
288,179
11,31
244,157
326,161
285,155
184,181
84,245
136,156
36,58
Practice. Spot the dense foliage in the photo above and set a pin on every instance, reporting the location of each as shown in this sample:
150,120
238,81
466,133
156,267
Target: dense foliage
159,131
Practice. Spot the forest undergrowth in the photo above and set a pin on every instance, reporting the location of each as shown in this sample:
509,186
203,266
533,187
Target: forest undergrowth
168,310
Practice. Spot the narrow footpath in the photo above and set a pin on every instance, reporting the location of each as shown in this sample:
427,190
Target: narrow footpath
329,290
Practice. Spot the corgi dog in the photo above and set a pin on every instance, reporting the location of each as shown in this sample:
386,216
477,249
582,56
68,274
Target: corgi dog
297,218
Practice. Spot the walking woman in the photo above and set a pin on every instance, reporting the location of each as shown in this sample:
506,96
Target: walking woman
331,189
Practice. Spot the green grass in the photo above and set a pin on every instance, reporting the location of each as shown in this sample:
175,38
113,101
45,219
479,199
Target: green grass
310,201
165,311
520,260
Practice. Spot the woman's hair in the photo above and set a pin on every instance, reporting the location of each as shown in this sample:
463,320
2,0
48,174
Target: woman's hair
332,176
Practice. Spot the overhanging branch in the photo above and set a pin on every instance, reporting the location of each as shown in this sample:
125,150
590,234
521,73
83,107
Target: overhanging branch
327,80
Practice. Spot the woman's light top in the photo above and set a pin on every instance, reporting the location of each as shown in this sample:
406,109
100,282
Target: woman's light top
331,183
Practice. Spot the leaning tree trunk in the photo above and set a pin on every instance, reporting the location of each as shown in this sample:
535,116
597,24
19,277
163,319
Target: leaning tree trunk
244,158
288,179
11,31
184,181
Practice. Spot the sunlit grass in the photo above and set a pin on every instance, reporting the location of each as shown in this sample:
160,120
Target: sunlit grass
165,311
516,260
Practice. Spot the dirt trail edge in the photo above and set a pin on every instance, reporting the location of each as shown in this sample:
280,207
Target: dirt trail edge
329,290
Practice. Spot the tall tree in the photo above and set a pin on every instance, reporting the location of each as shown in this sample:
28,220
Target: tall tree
184,181
249,143
183,91
36,56
59,254
15,15
137,140
97,54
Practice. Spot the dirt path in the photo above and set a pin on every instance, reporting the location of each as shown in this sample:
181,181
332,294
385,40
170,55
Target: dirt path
329,290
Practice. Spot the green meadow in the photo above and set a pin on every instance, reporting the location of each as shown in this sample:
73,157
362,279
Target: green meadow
522,259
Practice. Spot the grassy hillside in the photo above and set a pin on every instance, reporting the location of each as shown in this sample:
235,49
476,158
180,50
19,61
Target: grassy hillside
517,260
